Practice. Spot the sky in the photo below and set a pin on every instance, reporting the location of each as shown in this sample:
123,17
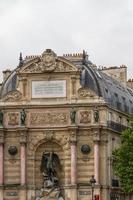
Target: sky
103,28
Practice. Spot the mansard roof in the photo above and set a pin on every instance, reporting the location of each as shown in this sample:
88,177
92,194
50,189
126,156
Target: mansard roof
114,93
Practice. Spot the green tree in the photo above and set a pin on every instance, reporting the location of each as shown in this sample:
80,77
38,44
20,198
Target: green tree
123,159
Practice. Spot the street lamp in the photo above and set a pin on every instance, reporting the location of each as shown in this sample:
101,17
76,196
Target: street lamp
92,182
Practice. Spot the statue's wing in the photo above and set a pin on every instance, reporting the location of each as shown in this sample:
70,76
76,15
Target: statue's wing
56,161
44,160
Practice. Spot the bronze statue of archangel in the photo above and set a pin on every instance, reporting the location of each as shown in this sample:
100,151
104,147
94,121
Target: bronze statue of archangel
50,167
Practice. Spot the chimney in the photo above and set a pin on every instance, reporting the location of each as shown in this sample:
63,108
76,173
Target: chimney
6,73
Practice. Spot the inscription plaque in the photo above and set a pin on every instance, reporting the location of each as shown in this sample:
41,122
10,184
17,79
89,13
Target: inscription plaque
48,89
84,192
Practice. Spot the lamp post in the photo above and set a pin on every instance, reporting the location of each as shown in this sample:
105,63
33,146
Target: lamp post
92,182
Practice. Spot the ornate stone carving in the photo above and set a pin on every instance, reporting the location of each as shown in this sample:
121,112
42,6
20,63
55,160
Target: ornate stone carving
85,93
63,67
13,96
23,137
44,63
13,119
48,61
96,136
48,134
73,137
37,119
85,117
33,68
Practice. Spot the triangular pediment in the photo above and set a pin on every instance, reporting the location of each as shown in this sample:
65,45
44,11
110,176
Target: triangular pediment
47,62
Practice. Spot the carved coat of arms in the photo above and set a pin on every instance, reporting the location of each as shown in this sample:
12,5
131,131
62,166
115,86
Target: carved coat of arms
48,61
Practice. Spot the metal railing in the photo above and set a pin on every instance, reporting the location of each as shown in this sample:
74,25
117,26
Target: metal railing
116,126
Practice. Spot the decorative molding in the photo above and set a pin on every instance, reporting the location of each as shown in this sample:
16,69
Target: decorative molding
13,96
13,119
85,93
41,119
85,116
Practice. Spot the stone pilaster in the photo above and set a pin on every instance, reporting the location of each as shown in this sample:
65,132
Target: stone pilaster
1,163
23,141
73,143
96,139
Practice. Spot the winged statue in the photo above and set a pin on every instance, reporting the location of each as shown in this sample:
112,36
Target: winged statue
50,166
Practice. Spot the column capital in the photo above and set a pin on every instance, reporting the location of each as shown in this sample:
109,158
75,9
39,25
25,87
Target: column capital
96,136
1,136
23,135
73,137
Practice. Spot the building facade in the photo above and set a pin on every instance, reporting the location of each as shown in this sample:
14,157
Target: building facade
60,119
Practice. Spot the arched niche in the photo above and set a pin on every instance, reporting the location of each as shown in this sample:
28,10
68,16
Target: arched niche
47,147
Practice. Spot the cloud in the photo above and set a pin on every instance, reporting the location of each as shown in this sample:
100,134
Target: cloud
102,27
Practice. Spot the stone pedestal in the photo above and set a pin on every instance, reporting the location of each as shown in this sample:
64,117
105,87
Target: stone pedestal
74,195
1,193
22,194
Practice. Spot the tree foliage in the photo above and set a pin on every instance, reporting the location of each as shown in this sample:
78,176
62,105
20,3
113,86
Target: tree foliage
123,159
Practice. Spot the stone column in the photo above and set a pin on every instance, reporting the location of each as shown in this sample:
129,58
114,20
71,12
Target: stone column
96,140
23,141
96,161
1,163
73,143
73,163
23,163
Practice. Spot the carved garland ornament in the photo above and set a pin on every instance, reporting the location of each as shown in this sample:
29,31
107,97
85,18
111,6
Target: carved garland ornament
85,117
85,92
13,118
13,96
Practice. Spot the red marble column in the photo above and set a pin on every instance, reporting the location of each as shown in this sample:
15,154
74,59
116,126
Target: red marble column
23,163
73,163
23,140
96,161
1,164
